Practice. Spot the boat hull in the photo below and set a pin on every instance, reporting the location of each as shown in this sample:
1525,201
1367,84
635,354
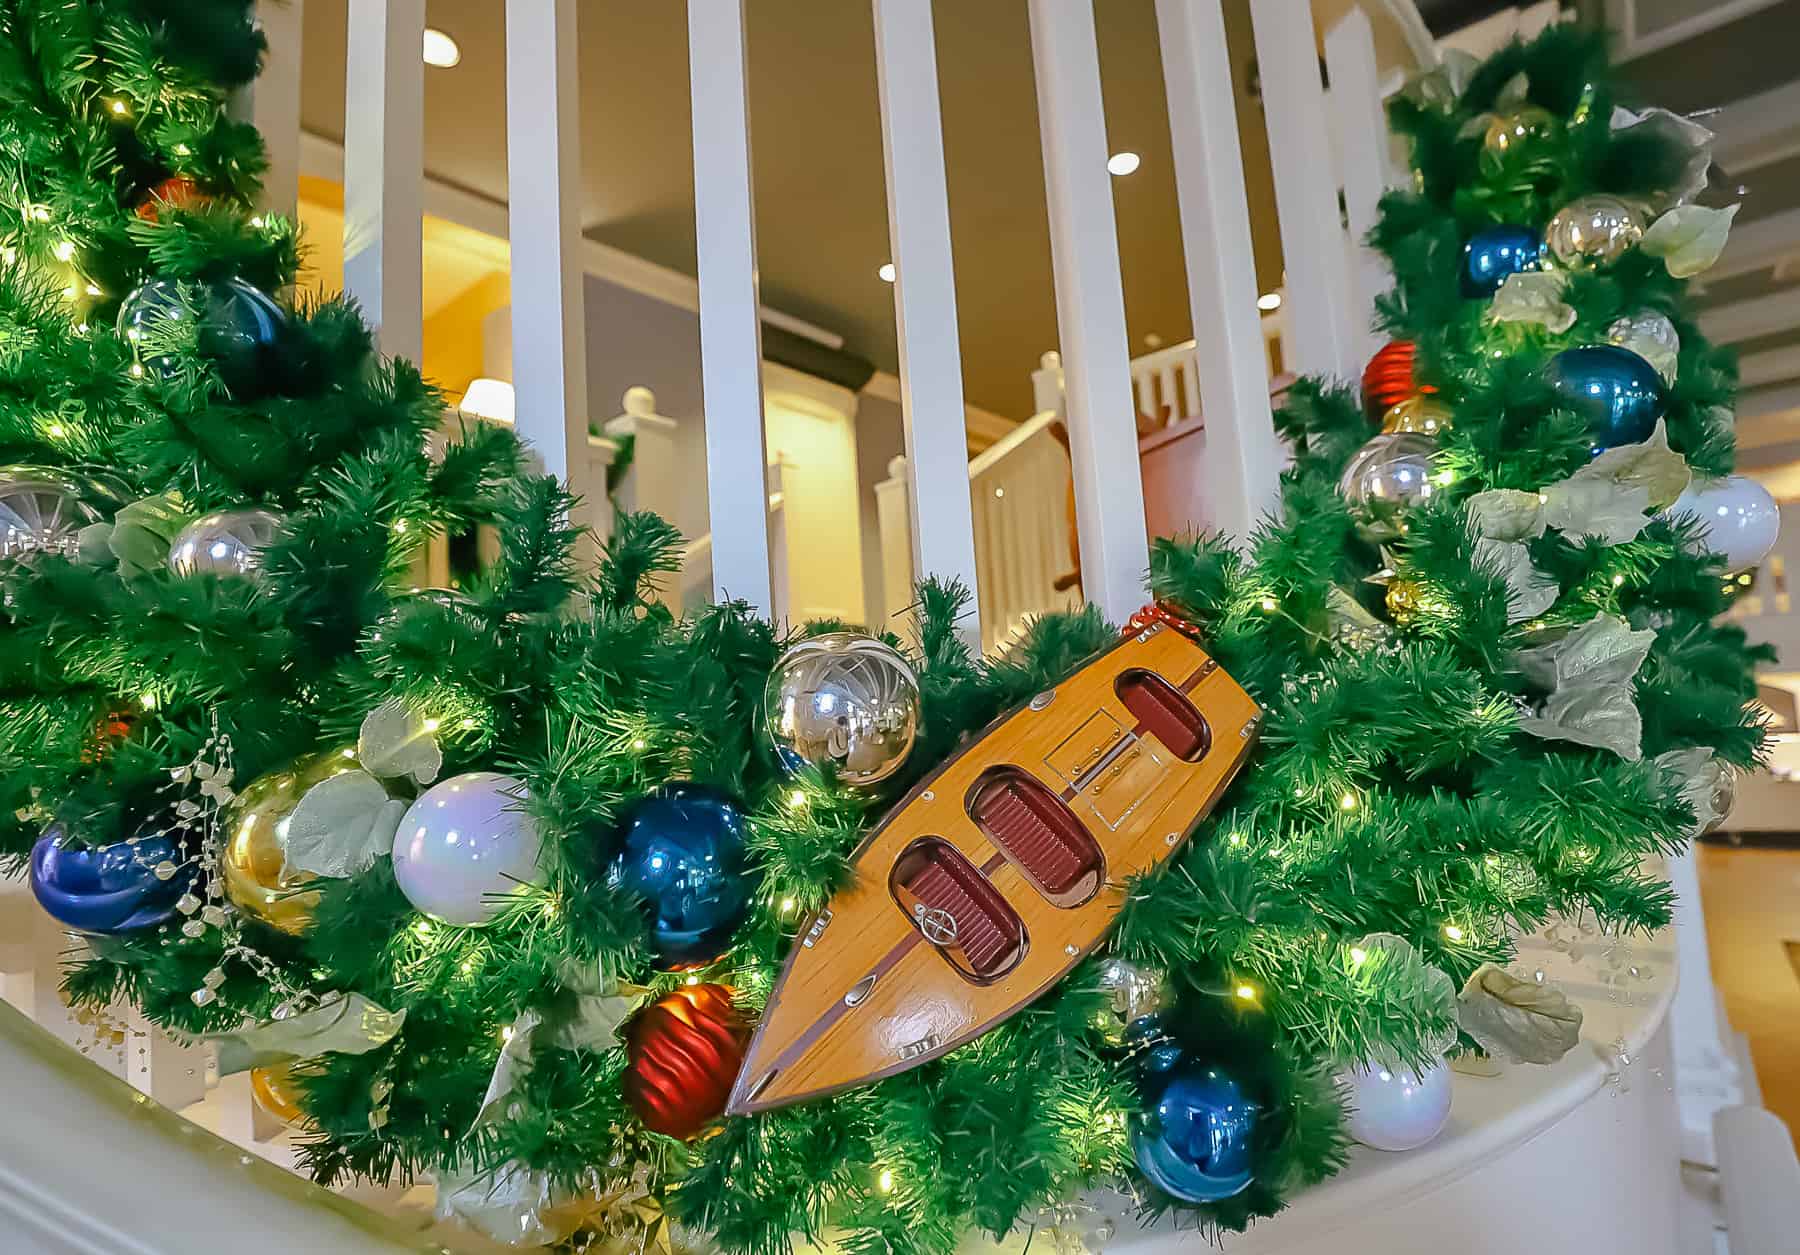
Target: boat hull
999,872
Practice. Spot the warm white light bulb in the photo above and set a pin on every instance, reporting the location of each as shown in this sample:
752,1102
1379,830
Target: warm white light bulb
1122,163
1269,301
440,49
886,272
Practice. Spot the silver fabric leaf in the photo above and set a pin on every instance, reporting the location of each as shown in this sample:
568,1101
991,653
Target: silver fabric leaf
1605,509
342,825
585,1014
396,741
345,1024
1673,130
1589,673
1705,784
505,1203
1506,514
1533,296
1520,1021
1396,954
1651,464
1529,592
1689,238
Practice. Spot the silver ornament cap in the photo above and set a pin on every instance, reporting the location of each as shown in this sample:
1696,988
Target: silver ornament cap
846,700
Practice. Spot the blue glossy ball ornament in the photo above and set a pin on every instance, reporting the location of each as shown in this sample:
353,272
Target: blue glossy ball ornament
683,855
1495,252
1195,1141
110,889
243,330
1619,393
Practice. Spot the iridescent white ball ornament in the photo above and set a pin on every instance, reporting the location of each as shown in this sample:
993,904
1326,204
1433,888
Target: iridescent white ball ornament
466,846
1386,478
1737,515
1593,231
1394,1108
846,700
230,542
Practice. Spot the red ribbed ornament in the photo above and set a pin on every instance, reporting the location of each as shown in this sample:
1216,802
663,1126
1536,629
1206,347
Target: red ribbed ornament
1159,612
1388,378
177,191
683,1052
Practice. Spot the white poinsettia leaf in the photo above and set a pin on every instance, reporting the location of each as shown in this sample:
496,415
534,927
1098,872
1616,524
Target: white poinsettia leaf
1533,296
1589,673
1513,92
341,826
1689,238
1673,130
1705,783
1506,514
1521,1021
345,1024
1650,464
1605,509
397,742
1529,592
1596,715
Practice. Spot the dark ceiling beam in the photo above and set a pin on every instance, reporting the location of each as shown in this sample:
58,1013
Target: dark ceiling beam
1442,17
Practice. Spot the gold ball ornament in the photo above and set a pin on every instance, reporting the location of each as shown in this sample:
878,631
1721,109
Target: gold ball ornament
253,863
1422,414
1518,130
1593,231
273,1090
1405,600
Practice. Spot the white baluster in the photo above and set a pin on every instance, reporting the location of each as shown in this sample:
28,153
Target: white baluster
650,483
1167,398
170,1072
730,333
1243,460
271,102
931,392
1090,306
384,173
543,178
893,512
1324,336
1363,153
1190,387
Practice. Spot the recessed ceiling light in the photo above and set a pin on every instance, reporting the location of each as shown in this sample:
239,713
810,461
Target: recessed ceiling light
440,49
1269,301
886,272
1122,163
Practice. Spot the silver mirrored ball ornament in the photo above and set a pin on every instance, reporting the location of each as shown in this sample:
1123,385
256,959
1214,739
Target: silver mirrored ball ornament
1386,478
1593,231
846,700
230,542
1134,992
43,509
1652,337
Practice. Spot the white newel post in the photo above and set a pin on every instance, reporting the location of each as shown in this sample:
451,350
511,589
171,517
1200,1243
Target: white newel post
384,172
730,327
543,180
1090,307
649,484
1323,336
1243,460
271,102
931,392
1707,1078
1047,385
1363,153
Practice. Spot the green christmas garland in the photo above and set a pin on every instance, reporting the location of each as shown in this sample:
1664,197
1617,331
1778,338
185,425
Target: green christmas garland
1402,821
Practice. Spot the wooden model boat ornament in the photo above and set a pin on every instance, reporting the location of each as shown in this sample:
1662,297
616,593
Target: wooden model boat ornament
1001,870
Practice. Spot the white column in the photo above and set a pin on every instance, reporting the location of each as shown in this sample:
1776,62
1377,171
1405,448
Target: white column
730,332
1243,461
543,185
271,103
931,392
1363,154
384,173
1090,307
1323,337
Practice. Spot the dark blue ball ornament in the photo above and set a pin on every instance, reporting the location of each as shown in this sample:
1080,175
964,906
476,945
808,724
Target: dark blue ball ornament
1194,1141
684,855
109,889
1619,393
1495,252
243,331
